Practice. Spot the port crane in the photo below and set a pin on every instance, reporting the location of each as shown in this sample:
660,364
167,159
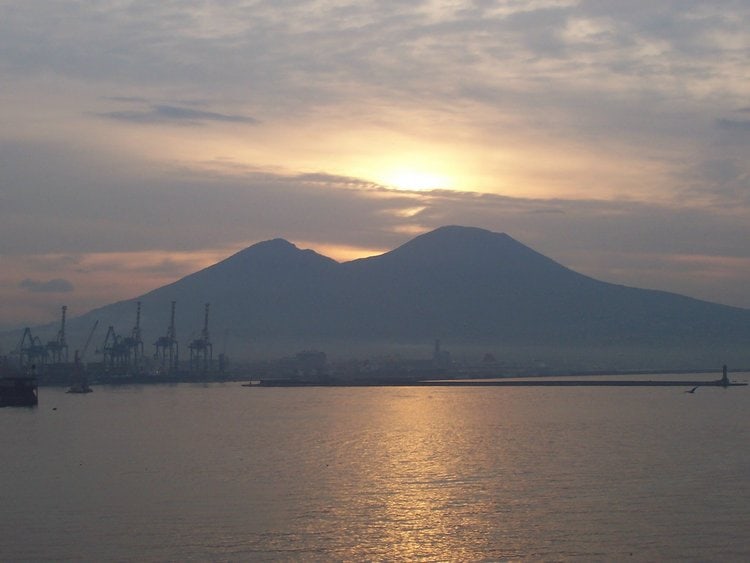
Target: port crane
79,381
88,341
114,350
31,351
167,348
57,349
134,342
201,349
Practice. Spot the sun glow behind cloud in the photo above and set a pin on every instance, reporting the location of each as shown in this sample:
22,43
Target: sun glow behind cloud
352,128
413,179
413,165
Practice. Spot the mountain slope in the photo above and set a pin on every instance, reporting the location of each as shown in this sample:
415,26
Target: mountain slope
464,285
468,283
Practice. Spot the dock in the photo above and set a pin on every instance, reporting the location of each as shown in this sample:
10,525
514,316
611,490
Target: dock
526,382
550,381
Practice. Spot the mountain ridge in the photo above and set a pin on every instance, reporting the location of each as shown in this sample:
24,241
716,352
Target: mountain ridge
467,286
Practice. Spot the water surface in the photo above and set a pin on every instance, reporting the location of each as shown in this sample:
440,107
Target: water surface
224,472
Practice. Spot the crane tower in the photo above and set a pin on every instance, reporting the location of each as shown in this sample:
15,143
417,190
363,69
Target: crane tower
167,348
201,349
134,342
31,351
115,352
57,350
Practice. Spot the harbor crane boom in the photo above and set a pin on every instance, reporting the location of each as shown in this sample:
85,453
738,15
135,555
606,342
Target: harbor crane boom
88,340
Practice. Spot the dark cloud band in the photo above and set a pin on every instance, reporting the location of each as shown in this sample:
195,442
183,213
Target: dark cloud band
166,113
57,285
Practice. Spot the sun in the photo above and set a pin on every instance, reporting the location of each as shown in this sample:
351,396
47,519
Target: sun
408,178
412,179
411,170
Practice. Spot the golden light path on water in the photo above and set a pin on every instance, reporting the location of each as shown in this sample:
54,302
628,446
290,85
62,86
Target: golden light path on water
421,515
226,473
411,474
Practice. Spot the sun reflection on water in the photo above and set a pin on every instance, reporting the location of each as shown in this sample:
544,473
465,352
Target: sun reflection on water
378,474
420,499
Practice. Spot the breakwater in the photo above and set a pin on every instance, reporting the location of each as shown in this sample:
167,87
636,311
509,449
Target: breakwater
530,382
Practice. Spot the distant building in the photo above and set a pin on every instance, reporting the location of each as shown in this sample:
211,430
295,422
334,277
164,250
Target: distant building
440,358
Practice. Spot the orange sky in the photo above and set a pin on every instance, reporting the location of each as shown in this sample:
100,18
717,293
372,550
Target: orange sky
135,149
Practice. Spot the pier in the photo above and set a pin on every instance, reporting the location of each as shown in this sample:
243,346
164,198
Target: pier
552,381
527,382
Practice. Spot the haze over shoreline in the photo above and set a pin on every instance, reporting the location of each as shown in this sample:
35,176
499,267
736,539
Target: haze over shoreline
477,291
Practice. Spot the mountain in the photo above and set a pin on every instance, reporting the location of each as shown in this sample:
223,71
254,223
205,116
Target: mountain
472,288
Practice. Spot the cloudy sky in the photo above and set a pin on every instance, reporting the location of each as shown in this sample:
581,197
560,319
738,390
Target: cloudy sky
141,140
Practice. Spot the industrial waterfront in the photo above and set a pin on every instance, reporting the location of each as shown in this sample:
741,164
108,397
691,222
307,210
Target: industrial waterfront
121,356
123,359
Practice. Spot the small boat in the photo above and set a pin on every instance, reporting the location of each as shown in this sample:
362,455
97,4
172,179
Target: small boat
81,387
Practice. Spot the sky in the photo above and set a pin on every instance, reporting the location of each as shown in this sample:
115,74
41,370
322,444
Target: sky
141,141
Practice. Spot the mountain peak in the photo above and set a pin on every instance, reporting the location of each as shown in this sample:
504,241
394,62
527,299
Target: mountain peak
272,245
462,231
464,236
281,249
456,244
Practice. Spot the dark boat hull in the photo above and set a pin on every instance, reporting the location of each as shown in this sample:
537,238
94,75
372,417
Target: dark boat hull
18,392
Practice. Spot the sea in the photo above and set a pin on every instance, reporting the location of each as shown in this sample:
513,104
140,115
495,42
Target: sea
222,472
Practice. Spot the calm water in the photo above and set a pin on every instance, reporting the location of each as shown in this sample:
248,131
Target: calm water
223,472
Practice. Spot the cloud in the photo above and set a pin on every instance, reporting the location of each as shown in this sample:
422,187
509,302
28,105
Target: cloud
161,113
57,285
613,100
321,178
128,99
99,205
741,125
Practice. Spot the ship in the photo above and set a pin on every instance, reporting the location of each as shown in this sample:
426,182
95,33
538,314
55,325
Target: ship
18,391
